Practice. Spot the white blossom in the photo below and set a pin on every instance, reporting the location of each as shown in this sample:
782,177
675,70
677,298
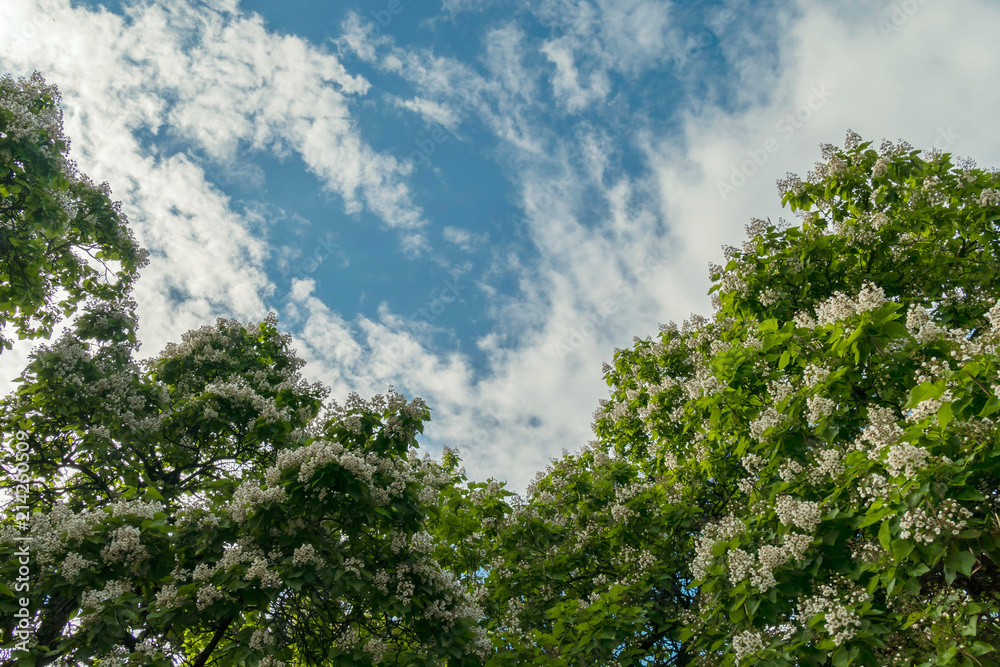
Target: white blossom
803,513
905,459
747,643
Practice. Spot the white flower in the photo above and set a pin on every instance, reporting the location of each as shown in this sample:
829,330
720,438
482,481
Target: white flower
168,598
929,526
989,197
125,544
803,513
814,375
993,315
769,418
72,565
820,407
261,639
789,470
880,167
747,643
881,432
916,318
796,545
804,320
306,554
905,459
928,407
871,297
207,594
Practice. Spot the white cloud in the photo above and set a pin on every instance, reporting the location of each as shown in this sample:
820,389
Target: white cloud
218,81
566,84
464,239
546,347
612,254
434,112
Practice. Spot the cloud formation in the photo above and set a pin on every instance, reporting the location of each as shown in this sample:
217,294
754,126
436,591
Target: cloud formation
622,194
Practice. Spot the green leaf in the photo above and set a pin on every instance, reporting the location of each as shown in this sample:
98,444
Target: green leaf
883,536
945,415
981,648
901,549
961,561
924,391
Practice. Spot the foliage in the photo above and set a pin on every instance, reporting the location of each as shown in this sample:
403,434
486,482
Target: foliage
808,478
59,232
840,402
199,509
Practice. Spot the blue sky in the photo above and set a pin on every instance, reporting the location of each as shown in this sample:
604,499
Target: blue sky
477,201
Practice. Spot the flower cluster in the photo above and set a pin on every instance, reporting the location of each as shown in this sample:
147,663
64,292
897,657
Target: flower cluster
905,459
73,564
760,569
835,603
928,407
989,197
881,432
873,487
820,408
249,494
722,530
841,307
747,643
828,462
803,513
929,526
125,545
769,418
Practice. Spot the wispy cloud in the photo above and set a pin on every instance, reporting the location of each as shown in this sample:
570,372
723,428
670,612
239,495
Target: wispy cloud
618,226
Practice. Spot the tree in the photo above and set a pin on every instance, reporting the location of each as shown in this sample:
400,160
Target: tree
198,510
808,478
60,234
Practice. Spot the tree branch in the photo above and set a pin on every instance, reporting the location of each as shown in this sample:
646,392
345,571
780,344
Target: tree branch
220,631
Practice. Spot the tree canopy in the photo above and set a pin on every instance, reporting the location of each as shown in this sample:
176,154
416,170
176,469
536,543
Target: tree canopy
808,477
60,234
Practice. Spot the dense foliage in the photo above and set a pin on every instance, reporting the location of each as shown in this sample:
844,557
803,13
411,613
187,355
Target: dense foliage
200,509
807,478
60,234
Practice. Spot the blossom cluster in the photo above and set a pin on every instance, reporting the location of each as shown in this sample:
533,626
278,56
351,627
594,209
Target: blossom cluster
802,513
835,601
930,525
723,529
841,307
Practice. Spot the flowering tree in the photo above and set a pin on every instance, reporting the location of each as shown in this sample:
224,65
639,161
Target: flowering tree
197,510
839,406
809,477
59,233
